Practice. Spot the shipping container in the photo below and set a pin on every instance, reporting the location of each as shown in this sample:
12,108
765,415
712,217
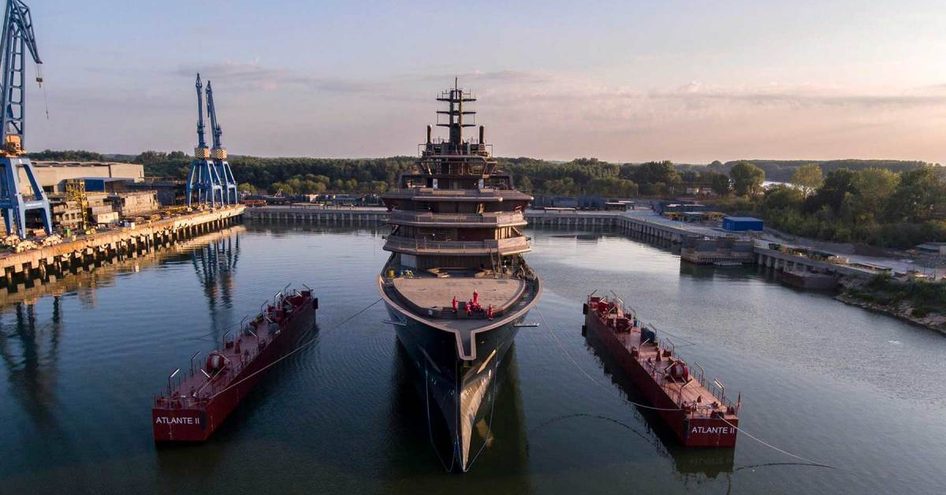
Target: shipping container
742,224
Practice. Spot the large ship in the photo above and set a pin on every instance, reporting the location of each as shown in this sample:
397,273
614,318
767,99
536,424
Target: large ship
456,284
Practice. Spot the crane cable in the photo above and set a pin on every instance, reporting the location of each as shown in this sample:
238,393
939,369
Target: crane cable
39,81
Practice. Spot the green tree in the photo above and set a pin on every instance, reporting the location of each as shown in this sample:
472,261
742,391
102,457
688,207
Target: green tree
246,188
918,196
783,197
873,188
720,184
747,179
838,185
524,184
658,173
808,178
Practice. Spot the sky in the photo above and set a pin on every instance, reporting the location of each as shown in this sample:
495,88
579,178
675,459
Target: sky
623,81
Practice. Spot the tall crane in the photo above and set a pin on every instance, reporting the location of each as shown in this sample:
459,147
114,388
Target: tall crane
203,178
17,38
219,154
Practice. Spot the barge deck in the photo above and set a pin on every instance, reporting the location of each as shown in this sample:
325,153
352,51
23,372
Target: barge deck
698,416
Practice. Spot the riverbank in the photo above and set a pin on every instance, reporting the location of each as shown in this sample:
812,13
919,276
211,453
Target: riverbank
919,302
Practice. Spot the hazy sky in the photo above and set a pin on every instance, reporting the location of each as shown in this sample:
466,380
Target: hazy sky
620,81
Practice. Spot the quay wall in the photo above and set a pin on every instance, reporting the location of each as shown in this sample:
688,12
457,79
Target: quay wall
48,262
637,224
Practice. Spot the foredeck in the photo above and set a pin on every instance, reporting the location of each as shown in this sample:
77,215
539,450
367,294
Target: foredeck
438,293
429,299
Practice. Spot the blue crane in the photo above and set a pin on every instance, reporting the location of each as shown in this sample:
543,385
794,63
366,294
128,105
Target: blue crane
219,154
203,178
17,38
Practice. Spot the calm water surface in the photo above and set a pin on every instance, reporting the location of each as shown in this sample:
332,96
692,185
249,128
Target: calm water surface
859,393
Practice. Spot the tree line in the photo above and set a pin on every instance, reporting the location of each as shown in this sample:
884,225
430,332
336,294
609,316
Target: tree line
882,202
871,205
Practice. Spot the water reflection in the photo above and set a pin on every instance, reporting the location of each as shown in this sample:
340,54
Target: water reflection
710,272
31,355
215,265
687,462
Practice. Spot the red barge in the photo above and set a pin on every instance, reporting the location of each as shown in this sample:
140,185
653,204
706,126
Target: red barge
698,416
196,404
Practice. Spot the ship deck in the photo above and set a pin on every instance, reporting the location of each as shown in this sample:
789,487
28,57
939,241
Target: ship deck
427,297
438,293
239,352
691,392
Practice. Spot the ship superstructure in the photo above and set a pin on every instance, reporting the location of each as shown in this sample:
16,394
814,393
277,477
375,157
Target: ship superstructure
456,284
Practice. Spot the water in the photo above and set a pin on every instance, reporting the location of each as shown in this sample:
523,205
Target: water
857,391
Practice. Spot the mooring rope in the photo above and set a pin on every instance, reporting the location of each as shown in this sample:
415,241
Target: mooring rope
773,447
297,349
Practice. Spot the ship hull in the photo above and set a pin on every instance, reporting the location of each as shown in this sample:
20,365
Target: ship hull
458,394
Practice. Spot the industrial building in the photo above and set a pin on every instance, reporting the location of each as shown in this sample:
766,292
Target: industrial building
52,176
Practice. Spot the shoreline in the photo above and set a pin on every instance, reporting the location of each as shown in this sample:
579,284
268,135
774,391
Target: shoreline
934,321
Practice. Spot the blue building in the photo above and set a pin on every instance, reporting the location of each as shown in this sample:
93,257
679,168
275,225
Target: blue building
742,224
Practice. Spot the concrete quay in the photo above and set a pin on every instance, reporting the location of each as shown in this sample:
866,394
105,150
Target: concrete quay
780,261
48,262
318,215
641,224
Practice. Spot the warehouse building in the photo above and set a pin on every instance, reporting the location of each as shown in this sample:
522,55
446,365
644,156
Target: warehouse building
52,176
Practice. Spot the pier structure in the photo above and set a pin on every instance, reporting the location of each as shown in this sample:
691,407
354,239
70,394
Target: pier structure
304,214
780,261
699,244
47,262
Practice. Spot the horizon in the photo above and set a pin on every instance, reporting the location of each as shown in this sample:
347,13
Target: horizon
621,82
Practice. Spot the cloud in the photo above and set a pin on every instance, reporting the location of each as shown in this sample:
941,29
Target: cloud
802,96
491,77
255,76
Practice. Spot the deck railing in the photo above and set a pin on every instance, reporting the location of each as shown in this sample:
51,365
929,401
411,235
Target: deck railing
514,244
486,218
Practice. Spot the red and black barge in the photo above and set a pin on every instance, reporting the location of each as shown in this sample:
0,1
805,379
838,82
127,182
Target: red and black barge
698,413
198,402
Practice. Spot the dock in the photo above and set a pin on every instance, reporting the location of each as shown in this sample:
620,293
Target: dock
699,244
48,262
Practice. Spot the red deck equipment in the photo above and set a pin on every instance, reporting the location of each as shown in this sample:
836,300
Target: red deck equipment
196,404
698,416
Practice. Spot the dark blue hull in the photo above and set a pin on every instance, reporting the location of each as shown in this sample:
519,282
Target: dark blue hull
458,394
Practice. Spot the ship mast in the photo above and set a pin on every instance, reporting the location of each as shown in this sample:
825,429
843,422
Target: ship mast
455,98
